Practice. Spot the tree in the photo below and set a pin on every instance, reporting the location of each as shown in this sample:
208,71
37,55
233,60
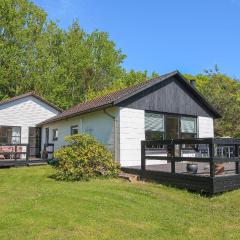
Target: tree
60,65
21,23
223,93
127,79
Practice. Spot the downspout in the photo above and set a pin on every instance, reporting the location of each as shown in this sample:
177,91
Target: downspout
114,119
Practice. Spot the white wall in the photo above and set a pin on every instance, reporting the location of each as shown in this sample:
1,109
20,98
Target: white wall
131,124
132,131
25,112
205,127
98,124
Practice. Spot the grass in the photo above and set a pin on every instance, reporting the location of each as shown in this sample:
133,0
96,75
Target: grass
34,206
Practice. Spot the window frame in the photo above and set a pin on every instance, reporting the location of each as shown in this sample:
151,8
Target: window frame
74,127
160,132
180,133
12,136
55,134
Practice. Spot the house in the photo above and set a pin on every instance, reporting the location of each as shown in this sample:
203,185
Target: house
19,117
167,107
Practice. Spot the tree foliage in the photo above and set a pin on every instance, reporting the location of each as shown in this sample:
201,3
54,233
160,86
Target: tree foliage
70,66
223,93
60,65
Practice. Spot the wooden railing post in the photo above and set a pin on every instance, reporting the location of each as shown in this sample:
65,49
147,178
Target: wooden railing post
27,152
237,155
173,157
212,164
143,156
15,153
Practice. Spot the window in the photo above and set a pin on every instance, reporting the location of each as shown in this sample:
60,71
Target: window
74,130
188,127
154,126
55,134
10,135
158,126
188,130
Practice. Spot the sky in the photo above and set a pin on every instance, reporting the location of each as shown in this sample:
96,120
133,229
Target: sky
161,35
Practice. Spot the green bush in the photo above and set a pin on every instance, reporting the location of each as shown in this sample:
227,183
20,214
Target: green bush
84,158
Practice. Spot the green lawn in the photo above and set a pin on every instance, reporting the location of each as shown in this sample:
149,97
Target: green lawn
34,206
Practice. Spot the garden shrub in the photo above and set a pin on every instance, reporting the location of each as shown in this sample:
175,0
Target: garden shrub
84,158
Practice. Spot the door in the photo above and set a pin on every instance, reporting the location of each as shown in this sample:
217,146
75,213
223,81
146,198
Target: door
34,142
46,135
172,127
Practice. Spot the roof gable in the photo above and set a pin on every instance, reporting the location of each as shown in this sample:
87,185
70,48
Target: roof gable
30,94
169,96
118,97
182,80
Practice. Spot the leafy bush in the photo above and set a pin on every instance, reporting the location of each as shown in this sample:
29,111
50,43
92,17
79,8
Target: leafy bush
84,158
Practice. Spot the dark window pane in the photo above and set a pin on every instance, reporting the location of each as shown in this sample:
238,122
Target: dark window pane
153,135
74,130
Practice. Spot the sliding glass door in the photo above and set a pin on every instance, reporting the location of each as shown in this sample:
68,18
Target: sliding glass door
172,127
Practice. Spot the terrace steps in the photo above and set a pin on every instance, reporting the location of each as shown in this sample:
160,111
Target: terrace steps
129,177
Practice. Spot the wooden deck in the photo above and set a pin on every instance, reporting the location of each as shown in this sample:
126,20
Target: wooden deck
200,182
175,174
14,155
22,162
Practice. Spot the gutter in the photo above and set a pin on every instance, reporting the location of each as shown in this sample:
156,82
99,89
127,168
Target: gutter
114,133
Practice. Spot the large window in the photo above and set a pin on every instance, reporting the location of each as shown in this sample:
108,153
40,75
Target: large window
159,126
154,126
10,135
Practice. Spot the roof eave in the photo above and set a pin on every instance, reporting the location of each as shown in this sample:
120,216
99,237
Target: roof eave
75,114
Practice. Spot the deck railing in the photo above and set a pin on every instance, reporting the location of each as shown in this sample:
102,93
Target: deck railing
208,150
14,152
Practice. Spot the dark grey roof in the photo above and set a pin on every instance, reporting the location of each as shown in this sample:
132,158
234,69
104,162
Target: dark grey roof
114,98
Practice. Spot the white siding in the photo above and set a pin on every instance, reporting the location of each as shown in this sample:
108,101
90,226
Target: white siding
98,124
132,131
205,127
25,112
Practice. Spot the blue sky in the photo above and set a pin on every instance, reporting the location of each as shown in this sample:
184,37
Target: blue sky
161,35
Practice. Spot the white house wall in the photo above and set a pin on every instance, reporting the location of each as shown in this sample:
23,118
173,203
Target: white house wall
98,124
25,112
132,131
205,127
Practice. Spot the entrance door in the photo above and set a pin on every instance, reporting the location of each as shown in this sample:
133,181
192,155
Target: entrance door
172,127
34,142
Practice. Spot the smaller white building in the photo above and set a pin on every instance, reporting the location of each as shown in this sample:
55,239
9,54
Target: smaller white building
19,117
